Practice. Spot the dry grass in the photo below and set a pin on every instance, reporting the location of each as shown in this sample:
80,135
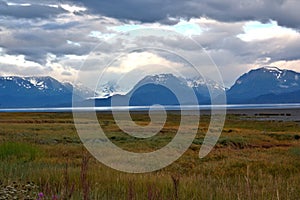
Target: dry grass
252,160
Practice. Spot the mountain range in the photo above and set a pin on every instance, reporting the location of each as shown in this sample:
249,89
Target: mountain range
261,86
162,89
24,92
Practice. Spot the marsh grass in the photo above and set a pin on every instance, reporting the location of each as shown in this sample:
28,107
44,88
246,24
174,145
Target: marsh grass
19,152
252,160
295,151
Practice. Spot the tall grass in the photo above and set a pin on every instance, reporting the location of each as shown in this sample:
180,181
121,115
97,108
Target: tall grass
21,152
261,162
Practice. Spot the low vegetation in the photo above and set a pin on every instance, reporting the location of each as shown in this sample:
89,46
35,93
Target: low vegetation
42,157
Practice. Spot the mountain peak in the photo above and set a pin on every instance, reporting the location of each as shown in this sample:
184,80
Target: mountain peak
159,78
272,68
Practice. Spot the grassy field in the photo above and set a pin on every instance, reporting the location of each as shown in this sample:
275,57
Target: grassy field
42,157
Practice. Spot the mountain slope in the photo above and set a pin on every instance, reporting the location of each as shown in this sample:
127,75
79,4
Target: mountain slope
289,97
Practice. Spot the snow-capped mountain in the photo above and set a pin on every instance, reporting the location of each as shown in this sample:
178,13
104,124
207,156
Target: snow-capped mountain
35,92
160,89
108,89
201,86
80,90
261,82
25,84
163,88
263,85
165,79
169,80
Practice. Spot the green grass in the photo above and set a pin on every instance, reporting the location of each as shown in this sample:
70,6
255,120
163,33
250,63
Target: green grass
252,160
295,151
20,152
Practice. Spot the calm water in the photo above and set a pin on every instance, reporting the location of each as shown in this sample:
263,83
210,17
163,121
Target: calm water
142,108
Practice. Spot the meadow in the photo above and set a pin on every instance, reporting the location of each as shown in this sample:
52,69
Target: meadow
42,157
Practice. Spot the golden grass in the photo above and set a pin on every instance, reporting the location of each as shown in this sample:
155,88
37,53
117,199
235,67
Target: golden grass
252,160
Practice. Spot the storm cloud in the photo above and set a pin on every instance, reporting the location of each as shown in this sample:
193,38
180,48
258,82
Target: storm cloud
55,37
29,10
285,12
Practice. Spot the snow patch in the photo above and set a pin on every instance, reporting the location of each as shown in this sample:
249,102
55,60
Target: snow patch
273,69
8,78
278,73
195,83
33,82
41,85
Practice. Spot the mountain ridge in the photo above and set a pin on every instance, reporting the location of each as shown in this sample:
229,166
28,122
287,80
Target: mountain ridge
263,85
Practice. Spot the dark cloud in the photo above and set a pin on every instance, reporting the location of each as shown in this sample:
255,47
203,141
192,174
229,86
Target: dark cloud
7,69
283,11
282,49
60,36
222,39
145,11
55,26
35,45
66,73
30,11
33,32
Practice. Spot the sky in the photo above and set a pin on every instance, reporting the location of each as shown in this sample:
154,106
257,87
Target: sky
91,39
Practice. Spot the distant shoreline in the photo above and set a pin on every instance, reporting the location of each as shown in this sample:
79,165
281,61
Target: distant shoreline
229,107
277,112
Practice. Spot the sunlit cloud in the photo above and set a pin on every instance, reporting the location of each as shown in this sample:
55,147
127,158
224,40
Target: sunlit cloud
18,4
73,8
16,60
73,43
146,61
292,65
255,30
184,27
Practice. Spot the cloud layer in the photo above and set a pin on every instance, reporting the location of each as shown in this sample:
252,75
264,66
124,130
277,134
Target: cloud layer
55,38
285,12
